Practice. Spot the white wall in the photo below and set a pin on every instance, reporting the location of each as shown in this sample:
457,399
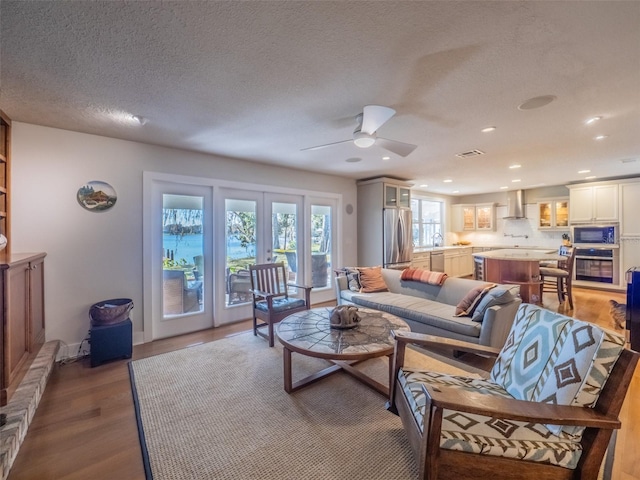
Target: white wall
97,256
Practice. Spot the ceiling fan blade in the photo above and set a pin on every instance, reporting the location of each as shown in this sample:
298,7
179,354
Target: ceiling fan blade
318,147
399,148
374,116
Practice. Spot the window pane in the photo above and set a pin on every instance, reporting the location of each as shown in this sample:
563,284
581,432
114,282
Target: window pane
320,245
183,259
240,249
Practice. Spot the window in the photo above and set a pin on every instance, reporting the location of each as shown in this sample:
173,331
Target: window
426,221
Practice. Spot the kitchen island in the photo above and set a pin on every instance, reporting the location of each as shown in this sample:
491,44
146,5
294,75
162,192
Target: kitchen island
518,266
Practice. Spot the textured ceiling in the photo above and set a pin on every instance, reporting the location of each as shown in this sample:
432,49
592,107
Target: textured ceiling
263,80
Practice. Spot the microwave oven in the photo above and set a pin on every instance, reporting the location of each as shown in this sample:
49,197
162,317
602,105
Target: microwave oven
595,234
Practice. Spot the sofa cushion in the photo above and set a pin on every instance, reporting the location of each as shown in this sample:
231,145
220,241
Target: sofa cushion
421,310
469,302
485,435
497,296
371,280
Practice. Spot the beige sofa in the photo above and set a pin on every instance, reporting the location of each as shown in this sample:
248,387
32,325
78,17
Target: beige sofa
431,309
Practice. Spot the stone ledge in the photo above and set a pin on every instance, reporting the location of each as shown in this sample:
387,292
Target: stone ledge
23,404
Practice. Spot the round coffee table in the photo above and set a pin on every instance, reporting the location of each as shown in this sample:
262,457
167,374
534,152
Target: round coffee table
308,333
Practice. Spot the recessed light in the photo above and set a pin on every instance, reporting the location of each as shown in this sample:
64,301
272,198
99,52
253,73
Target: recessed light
448,180
353,160
593,120
504,188
386,158
424,185
590,177
516,180
456,191
629,160
601,137
513,167
584,171
488,129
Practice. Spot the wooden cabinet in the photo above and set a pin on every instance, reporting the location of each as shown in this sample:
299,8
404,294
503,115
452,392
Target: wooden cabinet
593,203
22,302
553,214
5,163
466,218
421,260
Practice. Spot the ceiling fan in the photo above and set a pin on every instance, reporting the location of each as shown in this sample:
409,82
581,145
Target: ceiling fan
364,136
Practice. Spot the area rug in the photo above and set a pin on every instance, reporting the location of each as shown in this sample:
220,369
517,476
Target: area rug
219,411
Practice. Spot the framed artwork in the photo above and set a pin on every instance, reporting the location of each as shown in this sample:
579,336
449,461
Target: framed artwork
96,196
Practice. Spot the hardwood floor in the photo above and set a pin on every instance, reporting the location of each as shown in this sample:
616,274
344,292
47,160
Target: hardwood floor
85,425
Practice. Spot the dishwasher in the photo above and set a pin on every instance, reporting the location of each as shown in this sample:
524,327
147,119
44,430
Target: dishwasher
437,261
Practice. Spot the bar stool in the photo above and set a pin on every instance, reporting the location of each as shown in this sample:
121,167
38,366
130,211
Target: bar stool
559,279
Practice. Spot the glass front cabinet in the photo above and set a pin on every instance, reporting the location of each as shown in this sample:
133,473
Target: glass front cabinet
396,196
553,214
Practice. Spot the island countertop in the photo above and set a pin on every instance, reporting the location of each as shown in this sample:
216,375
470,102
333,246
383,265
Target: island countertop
522,254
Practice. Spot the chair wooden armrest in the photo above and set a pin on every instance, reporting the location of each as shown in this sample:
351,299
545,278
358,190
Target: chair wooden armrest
519,410
305,287
424,340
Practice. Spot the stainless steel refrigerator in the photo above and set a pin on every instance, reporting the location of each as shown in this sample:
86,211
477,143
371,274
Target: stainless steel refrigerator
398,241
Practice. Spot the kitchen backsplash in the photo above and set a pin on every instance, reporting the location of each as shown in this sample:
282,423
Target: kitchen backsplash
516,230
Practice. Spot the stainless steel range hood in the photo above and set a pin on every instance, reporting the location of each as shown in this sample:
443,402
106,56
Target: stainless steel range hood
515,205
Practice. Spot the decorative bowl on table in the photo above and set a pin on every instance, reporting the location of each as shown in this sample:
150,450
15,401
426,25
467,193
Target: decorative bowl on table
344,316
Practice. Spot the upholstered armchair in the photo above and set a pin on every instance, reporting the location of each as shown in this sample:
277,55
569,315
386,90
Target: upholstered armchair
547,410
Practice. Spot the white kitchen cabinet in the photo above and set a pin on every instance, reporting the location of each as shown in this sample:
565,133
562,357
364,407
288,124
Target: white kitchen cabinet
396,196
463,218
421,260
468,218
593,203
485,217
458,262
629,215
629,257
553,214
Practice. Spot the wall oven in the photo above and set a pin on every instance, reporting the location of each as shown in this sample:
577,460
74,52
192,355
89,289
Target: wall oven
597,260
599,264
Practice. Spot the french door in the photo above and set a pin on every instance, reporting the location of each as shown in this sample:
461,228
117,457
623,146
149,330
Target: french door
181,246
256,227
200,238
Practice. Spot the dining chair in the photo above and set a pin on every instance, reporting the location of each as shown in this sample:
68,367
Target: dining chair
271,298
559,279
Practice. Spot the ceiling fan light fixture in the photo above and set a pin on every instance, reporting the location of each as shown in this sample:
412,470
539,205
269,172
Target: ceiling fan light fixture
363,140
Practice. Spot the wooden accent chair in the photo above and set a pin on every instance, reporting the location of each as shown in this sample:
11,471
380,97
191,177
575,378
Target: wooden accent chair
547,410
559,279
271,300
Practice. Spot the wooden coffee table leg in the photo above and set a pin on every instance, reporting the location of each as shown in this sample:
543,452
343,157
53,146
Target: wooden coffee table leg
287,369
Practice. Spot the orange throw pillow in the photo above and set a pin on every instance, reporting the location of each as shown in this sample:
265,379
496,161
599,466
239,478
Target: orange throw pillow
371,280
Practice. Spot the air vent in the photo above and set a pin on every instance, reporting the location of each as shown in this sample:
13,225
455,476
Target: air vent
470,153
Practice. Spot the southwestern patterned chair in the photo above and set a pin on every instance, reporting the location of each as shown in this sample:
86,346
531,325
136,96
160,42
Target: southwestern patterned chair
547,410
